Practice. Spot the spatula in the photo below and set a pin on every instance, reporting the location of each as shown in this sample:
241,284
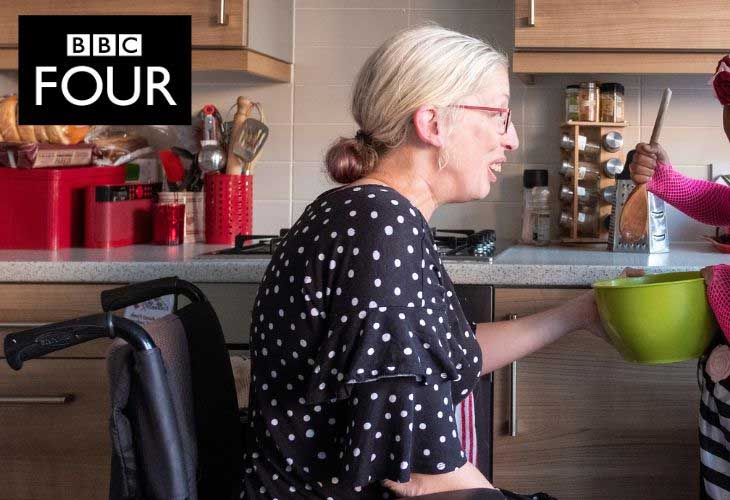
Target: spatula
253,136
634,222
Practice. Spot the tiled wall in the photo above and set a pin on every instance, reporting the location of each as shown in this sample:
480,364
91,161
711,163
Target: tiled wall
333,38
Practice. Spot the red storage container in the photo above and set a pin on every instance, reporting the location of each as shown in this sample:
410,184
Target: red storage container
44,208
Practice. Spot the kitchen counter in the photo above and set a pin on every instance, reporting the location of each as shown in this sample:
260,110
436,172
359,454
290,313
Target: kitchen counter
516,266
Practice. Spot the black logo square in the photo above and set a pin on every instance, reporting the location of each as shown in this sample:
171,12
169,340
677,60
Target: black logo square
104,70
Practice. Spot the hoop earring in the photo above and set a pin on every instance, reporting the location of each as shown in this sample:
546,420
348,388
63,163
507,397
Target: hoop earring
441,162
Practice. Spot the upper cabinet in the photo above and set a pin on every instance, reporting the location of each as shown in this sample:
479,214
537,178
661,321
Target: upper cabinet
620,36
254,36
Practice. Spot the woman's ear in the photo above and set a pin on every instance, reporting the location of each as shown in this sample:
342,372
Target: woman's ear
427,126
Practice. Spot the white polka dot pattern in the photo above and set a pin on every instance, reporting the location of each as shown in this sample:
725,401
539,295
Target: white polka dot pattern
360,351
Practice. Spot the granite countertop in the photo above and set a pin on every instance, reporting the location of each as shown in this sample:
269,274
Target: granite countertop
516,266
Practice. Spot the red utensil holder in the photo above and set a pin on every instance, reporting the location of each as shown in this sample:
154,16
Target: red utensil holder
228,207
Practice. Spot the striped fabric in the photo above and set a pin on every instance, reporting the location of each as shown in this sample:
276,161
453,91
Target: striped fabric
466,427
714,430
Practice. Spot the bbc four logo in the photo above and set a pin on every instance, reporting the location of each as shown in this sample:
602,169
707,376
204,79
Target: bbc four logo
99,71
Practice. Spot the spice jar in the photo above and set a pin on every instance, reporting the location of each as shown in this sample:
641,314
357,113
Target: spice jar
568,143
608,194
588,102
613,141
585,171
612,102
572,110
585,221
612,167
585,196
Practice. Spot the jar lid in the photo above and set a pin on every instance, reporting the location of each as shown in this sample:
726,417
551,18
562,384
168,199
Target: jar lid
532,178
589,85
573,87
612,87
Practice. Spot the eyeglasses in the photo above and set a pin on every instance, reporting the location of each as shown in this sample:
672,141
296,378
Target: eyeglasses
501,112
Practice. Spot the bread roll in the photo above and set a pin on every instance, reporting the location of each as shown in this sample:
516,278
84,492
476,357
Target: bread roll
27,133
9,119
56,134
40,133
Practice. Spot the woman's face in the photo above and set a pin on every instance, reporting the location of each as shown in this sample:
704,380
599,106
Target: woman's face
478,143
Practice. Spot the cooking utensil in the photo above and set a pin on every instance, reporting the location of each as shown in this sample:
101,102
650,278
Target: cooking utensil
211,157
657,318
248,146
234,165
173,167
634,222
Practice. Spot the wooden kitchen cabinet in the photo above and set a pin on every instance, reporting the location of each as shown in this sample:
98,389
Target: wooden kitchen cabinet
589,424
54,413
622,36
253,36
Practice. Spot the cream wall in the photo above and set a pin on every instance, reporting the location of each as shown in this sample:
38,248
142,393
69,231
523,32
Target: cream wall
333,38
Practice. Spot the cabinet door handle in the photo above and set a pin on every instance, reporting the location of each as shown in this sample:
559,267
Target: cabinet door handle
512,391
531,18
222,18
36,400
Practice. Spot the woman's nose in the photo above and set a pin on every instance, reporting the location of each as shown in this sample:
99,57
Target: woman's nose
511,141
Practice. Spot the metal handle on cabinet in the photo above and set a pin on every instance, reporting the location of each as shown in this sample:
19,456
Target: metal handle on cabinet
513,391
36,400
222,18
531,18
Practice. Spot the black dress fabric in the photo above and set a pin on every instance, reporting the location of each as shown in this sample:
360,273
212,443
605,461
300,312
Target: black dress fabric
360,352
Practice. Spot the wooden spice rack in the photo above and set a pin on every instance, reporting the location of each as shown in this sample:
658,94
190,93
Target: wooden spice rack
594,133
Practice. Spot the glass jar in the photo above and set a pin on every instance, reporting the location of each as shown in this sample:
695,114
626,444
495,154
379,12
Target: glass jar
585,221
612,167
585,171
608,194
612,102
535,208
585,195
588,102
585,147
572,109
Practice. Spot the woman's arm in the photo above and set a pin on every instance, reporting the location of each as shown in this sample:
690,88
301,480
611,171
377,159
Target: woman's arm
705,201
505,341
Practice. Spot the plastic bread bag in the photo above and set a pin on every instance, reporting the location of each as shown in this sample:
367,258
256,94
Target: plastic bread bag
116,142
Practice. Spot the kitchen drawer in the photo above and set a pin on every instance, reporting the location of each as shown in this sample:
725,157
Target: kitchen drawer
587,423
26,305
51,449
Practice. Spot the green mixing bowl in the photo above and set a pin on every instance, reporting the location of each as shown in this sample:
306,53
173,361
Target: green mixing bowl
657,318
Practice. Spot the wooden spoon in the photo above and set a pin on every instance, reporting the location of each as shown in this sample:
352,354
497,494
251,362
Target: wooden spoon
634,223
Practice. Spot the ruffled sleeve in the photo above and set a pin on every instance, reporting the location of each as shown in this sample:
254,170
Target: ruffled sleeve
381,342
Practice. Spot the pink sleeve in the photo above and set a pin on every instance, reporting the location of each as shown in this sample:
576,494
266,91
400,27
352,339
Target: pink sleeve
704,201
718,294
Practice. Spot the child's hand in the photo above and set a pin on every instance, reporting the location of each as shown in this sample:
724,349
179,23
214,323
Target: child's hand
645,161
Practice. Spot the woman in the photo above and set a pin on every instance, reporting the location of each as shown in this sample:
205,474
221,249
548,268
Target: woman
360,348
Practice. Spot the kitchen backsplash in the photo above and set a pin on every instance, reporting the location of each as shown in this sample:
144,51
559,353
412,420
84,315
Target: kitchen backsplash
333,38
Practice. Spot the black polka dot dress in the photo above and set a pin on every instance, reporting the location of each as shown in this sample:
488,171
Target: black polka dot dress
360,354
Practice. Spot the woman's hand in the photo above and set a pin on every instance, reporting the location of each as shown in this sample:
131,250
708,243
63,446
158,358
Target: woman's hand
645,161
463,478
588,308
